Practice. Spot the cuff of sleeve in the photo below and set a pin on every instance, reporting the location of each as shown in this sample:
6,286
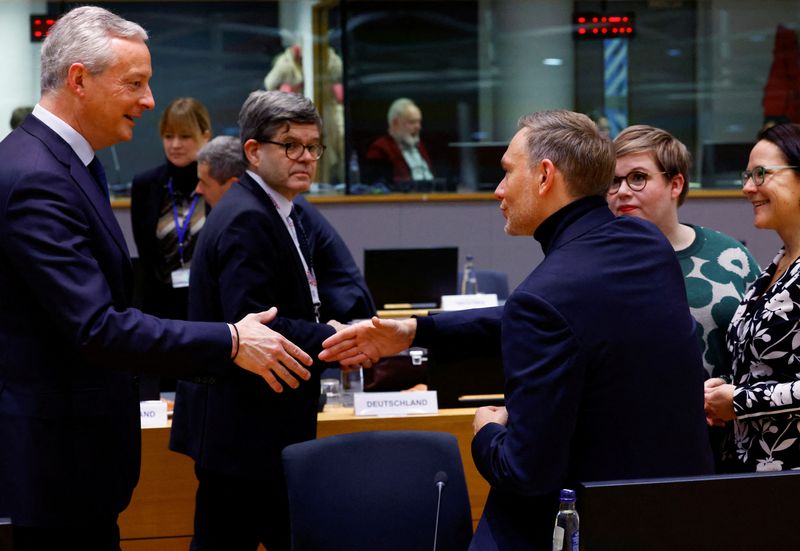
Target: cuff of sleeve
216,364
482,445
740,401
425,330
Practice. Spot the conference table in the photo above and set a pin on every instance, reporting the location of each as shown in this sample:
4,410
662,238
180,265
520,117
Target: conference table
160,516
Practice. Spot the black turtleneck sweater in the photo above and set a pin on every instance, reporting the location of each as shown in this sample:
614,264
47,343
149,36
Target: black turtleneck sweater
553,226
556,223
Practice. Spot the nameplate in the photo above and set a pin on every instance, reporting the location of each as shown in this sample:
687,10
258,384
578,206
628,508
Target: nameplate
153,414
395,403
466,302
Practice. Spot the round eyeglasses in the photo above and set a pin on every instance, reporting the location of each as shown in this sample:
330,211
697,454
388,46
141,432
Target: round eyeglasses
294,150
636,180
759,173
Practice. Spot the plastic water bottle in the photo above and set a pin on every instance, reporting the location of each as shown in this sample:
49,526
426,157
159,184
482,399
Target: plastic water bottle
469,281
566,533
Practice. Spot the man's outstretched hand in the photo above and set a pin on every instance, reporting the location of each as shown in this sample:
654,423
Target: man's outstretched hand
366,342
268,353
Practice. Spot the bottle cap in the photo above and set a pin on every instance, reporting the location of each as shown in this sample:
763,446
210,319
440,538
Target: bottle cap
567,495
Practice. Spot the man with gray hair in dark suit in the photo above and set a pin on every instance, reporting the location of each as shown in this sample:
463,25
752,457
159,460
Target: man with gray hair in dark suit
70,344
219,164
255,252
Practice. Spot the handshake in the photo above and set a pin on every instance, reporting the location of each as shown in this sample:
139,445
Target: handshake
272,356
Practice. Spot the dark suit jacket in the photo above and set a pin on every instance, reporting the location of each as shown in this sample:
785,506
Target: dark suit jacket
603,373
385,162
69,417
342,289
245,261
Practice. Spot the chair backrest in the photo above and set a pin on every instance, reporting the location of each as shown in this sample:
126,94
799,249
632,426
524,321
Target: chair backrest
491,281
376,490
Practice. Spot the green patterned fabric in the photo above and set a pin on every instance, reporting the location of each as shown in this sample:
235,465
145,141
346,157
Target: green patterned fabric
717,270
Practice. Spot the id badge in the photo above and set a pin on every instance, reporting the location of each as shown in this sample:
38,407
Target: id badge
180,278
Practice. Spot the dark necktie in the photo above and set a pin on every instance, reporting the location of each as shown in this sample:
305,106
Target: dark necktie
302,239
99,173
306,251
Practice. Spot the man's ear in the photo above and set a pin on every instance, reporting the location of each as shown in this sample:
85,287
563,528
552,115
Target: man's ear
251,151
545,177
76,78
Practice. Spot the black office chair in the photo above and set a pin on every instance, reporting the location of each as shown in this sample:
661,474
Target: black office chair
377,490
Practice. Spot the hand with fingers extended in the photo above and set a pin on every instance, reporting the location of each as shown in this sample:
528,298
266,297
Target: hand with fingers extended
364,343
267,353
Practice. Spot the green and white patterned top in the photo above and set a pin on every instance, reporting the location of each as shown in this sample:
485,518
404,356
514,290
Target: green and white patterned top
717,269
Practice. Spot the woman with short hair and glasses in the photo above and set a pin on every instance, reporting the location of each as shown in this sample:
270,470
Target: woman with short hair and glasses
651,181
762,394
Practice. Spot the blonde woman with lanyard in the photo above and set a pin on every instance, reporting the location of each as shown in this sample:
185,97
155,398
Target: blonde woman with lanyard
167,215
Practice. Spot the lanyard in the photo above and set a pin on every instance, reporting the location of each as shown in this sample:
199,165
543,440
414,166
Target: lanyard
297,234
181,230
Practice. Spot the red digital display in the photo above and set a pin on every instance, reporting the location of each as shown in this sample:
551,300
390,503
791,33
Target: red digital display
40,26
596,25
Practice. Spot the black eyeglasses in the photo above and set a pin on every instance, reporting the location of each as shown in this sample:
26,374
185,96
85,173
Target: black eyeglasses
759,173
636,180
294,150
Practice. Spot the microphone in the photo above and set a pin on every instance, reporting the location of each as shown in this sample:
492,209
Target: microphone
439,480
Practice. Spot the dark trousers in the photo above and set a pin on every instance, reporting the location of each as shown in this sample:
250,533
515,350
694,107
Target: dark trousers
90,536
236,514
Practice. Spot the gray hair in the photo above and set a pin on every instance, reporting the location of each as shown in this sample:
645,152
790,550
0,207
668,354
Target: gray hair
398,107
223,155
263,113
575,146
83,35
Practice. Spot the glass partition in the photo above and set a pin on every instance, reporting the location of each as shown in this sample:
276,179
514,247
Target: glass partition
711,72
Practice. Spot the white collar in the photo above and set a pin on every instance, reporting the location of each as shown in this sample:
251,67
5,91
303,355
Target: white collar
76,141
283,205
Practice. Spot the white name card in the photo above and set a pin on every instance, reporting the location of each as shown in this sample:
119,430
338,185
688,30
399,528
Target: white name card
153,414
466,302
395,403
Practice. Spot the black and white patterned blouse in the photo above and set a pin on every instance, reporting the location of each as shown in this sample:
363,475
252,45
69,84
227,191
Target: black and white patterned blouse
764,340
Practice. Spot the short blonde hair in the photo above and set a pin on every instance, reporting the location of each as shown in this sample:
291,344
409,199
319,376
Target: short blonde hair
667,151
575,146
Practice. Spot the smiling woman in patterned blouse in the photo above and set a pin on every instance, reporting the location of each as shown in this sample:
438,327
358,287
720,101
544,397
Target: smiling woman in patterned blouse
762,394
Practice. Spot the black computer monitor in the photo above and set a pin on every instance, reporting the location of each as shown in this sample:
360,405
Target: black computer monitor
741,511
473,381
723,163
417,277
